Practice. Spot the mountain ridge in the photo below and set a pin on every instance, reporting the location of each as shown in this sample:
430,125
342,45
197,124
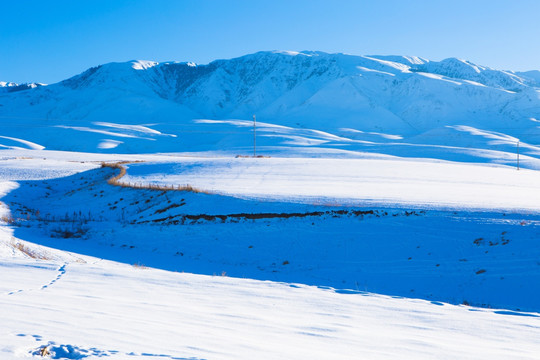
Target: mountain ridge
6,86
402,95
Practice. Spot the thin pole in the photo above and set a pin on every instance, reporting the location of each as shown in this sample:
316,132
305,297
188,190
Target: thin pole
518,155
254,136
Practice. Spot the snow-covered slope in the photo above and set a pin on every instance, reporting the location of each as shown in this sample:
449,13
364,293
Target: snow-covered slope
92,309
388,182
409,97
125,312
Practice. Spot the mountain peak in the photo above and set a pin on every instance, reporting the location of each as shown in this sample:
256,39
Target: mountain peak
142,64
7,84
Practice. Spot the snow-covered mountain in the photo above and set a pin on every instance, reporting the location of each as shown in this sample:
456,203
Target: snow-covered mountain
6,87
407,96
329,247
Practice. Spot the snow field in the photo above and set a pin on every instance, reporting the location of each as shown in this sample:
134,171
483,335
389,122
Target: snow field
387,182
125,312
482,258
122,311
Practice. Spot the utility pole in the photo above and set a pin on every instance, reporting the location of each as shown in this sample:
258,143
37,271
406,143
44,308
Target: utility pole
254,136
518,155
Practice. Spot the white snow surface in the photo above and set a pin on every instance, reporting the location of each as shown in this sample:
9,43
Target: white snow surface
387,182
85,298
38,169
28,144
125,312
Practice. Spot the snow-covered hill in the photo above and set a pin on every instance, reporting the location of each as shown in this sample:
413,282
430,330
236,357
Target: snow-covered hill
359,99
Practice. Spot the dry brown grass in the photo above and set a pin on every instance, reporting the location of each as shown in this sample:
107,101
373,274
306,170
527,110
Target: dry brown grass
115,180
28,251
44,351
118,165
8,219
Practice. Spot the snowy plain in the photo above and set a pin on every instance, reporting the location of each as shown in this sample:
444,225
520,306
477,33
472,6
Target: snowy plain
385,219
383,182
313,295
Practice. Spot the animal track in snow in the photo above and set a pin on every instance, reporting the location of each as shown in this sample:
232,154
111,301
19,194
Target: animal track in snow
61,272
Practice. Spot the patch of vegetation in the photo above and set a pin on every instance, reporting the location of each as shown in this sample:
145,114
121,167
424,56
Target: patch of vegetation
28,251
115,180
68,232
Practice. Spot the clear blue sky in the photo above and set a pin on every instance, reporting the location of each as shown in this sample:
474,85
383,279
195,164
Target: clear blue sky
48,41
